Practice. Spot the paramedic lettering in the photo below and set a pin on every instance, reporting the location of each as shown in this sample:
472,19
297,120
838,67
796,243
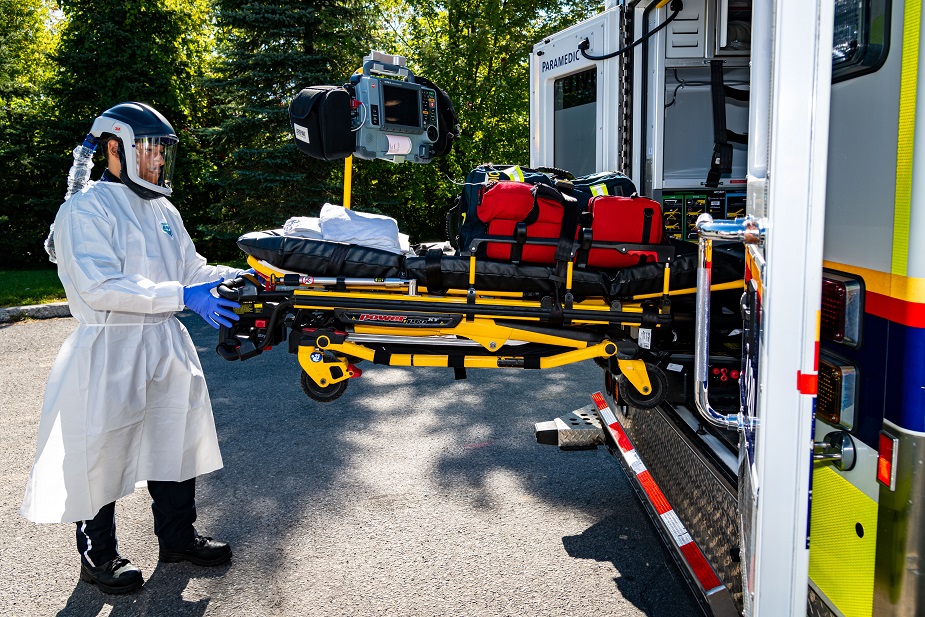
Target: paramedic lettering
128,266
562,60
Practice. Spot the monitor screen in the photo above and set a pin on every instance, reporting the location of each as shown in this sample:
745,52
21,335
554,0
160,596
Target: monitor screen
402,105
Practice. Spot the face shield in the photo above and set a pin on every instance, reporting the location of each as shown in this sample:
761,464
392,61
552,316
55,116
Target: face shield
154,160
147,147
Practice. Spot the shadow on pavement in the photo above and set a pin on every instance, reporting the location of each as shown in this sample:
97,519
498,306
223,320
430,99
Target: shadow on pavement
162,594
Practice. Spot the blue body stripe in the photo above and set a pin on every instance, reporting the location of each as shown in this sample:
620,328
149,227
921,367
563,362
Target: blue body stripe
891,371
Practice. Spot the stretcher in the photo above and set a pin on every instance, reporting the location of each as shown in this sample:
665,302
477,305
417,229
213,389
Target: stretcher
335,305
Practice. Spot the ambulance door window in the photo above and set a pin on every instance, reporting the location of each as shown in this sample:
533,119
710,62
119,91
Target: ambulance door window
861,37
575,122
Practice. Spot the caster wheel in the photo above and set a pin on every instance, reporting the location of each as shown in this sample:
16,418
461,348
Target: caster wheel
632,397
322,394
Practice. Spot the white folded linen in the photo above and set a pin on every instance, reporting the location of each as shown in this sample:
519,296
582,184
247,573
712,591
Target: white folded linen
303,227
374,230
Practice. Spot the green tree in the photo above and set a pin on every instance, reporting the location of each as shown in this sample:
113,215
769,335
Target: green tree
270,50
112,51
153,51
27,41
478,52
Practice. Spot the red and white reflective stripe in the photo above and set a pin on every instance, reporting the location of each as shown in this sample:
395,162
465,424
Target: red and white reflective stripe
697,563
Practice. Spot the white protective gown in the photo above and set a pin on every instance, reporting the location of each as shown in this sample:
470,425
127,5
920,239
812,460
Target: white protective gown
126,399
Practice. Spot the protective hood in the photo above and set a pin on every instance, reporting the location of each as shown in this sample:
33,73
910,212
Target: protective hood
147,147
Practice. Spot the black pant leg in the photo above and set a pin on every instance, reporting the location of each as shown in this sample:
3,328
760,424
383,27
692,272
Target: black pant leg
174,507
96,538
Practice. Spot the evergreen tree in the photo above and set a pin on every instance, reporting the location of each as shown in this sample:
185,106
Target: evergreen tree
27,40
110,51
270,50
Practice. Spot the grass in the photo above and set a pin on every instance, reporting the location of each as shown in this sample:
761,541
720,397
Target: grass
22,287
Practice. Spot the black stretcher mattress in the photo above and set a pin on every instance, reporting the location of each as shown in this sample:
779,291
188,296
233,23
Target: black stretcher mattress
440,272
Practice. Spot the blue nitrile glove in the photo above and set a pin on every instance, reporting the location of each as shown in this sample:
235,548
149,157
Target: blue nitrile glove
214,310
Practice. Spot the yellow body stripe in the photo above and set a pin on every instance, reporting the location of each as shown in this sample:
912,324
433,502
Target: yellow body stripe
907,288
906,141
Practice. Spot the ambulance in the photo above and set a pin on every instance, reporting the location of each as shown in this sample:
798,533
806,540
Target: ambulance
787,470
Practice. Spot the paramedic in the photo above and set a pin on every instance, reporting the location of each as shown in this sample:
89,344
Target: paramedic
126,400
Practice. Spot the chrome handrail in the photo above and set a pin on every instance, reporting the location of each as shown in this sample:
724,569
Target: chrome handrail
750,231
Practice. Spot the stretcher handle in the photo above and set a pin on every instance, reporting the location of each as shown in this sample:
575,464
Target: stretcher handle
231,290
748,230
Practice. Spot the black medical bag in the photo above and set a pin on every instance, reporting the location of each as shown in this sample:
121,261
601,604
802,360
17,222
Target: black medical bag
462,221
320,120
600,183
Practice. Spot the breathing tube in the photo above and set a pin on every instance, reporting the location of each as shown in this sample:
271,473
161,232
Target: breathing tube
77,178
80,170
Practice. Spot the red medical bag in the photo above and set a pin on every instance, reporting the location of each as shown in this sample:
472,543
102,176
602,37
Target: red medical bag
631,220
504,204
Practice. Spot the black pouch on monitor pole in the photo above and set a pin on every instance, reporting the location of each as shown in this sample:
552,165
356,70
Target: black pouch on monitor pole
320,118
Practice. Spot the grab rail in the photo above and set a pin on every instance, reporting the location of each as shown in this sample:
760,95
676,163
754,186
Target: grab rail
750,231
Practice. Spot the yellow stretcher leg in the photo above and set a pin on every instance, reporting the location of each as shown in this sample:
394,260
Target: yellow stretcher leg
324,369
636,373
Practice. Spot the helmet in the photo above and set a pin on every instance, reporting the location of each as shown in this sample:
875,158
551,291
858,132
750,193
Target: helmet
147,147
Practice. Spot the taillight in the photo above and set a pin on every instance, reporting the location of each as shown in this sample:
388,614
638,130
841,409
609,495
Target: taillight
886,460
842,298
837,391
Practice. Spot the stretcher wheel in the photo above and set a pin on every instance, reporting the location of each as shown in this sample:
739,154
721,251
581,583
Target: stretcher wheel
632,397
322,394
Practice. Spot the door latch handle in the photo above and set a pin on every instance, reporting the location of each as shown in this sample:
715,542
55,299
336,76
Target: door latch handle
837,448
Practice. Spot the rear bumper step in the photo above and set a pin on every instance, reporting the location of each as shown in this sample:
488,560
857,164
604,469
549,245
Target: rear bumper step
576,430
697,569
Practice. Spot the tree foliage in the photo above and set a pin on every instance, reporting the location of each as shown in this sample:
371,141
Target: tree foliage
224,73
479,53
27,41
108,52
269,51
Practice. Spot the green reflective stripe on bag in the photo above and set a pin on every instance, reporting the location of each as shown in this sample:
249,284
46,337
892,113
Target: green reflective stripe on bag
599,189
515,173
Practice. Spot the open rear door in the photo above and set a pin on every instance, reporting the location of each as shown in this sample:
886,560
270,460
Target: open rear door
787,157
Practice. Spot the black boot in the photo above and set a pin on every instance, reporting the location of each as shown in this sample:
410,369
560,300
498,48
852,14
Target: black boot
116,576
202,551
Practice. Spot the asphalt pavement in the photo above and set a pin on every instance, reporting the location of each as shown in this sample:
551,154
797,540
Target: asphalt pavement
413,494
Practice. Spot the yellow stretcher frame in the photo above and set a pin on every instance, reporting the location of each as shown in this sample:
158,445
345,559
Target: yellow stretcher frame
328,362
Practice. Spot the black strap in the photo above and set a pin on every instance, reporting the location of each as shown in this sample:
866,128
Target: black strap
647,214
736,138
336,260
649,316
433,270
452,222
585,238
721,162
458,364
735,94
534,213
381,357
520,237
